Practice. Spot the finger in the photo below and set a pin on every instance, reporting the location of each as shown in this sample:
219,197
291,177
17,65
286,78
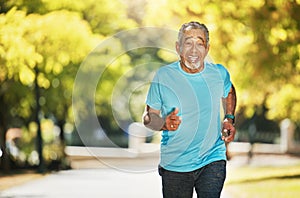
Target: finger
225,133
174,117
173,127
179,121
230,137
174,123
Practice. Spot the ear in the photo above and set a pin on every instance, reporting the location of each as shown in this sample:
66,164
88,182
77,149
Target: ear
177,47
207,48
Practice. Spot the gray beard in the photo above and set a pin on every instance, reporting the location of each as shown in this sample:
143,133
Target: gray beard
194,66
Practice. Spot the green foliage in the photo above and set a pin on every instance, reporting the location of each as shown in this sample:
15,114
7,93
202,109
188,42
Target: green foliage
46,48
104,17
54,44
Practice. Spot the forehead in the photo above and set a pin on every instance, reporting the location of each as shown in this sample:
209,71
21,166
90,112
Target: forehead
194,33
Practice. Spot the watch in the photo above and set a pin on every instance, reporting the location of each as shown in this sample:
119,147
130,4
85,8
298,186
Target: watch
230,116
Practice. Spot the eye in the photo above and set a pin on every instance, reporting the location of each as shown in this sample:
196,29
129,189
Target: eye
188,43
200,43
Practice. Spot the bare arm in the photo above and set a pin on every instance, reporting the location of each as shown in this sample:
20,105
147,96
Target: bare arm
229,105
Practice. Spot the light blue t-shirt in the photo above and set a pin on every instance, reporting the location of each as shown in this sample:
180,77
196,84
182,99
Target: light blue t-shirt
197,142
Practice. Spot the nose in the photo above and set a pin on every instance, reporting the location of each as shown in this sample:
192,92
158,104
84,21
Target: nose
194,48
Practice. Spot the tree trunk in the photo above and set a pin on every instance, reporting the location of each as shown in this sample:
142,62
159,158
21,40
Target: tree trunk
39,138
4,162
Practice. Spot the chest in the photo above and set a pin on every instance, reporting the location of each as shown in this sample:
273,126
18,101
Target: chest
189,93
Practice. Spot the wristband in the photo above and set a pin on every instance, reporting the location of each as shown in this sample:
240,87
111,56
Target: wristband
230,116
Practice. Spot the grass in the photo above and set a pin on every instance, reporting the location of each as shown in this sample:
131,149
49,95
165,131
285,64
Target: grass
264,182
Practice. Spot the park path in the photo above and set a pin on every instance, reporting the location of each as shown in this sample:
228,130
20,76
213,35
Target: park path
112,183
100,183
104,183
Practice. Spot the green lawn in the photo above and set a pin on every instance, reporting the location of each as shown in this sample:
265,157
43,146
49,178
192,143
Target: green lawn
264,182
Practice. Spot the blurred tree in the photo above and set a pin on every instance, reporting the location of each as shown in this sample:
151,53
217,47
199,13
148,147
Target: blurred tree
100,14
14,59
63,40
47,47
107,17
53,45
31,6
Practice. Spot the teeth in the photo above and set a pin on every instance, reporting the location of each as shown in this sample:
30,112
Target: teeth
193,58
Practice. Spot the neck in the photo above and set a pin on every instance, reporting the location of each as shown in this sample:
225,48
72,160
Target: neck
189,70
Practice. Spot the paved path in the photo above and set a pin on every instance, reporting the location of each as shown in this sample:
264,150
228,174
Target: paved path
113,183
100,183
104,183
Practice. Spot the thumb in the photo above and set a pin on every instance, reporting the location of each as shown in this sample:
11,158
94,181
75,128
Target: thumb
175,111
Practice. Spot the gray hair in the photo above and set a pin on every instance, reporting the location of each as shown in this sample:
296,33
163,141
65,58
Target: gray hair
193,25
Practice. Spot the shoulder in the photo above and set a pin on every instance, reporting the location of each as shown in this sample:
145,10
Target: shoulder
173,65
219,68
167,68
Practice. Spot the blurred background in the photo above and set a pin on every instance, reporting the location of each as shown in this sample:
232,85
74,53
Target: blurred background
44,42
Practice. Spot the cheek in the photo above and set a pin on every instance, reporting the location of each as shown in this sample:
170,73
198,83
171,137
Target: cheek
202,50
185,51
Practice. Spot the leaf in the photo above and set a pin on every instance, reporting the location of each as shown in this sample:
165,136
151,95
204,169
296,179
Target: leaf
26,76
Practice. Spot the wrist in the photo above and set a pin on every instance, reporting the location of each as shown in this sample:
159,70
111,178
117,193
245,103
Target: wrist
229,118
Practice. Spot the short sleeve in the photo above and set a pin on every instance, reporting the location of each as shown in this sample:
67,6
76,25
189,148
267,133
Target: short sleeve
154,96
226,79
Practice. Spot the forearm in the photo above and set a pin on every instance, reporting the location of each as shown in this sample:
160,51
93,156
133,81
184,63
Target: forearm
152,119
229,103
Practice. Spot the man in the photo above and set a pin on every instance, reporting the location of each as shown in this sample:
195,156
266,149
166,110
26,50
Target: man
184,101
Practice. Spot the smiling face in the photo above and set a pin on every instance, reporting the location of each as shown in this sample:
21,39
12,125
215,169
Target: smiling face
192,49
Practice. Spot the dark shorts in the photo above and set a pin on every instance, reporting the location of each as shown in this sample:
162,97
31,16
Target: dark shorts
208,181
